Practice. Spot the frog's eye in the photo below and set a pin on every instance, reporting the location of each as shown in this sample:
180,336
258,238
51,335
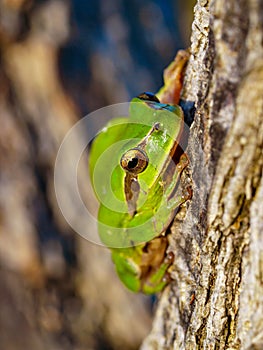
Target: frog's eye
134,161
148,96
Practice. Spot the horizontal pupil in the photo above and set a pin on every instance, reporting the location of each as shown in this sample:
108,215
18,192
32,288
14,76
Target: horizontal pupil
132,163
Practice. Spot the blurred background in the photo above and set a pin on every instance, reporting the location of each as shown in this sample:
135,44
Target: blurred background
60,60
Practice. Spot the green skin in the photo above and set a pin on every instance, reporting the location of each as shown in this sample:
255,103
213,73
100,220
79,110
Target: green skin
136,208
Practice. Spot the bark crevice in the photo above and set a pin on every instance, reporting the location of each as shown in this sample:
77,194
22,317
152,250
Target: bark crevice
225,78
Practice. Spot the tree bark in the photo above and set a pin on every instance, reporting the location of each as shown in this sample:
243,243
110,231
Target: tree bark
216,299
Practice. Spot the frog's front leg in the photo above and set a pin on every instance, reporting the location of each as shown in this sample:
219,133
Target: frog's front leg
173,79
144,268
156,263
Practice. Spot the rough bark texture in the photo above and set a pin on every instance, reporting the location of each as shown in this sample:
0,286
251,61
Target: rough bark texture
216,299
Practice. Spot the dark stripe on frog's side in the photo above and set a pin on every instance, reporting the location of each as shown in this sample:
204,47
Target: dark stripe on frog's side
131,184
132,191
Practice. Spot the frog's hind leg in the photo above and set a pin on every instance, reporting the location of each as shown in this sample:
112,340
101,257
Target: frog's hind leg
160,278
155,264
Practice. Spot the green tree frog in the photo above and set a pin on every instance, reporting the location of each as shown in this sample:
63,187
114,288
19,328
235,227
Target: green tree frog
135,167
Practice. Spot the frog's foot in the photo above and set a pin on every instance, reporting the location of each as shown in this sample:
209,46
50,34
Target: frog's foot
173,79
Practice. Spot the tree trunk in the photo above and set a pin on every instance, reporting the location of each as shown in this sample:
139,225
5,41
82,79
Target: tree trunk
216,299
